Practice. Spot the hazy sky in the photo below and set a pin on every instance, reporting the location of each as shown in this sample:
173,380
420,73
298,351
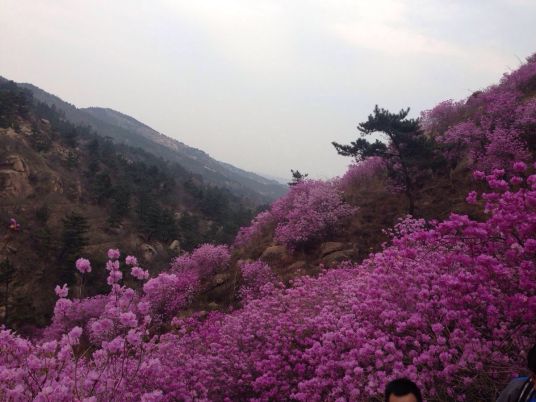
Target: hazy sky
264,85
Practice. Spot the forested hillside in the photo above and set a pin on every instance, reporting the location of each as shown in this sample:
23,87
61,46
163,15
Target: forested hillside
419,262
123,129
74,192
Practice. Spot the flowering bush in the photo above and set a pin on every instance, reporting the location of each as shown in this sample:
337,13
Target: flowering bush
71,313
310,211
451,305
357,173
248,233
204,261
168,293
257,280
493,126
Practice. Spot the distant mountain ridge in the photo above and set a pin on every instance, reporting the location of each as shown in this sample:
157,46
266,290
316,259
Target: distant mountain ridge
127,130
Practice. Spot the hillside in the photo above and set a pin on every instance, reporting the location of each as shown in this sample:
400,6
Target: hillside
335,289
124,129
73,192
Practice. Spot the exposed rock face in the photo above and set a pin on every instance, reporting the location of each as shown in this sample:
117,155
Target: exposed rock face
274,253
330,247
17,163
220,287
175,246
337,256
14,175
148,251
56,185
220,279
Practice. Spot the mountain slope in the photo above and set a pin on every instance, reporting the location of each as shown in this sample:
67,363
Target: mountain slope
127,130
73,191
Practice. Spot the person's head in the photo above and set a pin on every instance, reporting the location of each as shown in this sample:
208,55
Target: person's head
402,390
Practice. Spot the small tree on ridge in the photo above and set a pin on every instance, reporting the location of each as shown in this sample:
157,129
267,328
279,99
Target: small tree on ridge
408,152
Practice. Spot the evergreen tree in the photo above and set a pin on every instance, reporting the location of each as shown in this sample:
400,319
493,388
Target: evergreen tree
7,271
120,204
102,187
13,103
190,231
409,153
74,239
155,221
297,177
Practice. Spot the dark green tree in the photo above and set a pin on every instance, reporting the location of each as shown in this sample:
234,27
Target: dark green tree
69,135
190,231
14,103
7,271
408,152
42,214
120,204
74,239
297,177
153,220
102,187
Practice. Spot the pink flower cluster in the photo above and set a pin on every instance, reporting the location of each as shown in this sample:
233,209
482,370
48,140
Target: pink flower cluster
168,293
257,226
135,271
204,261
308,212
257,280
83,265
358,173
493,126
13,225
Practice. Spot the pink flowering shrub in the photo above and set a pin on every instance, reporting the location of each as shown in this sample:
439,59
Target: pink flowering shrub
406,226
492,127
204,261
357,173
247,234
310,211
167,294
257,280
70,313
449,304
443,115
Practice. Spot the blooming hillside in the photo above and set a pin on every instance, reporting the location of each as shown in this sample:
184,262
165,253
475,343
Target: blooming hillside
451,306
493,127
449,303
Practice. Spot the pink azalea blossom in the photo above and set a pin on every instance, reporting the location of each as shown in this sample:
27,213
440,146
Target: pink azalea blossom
83,265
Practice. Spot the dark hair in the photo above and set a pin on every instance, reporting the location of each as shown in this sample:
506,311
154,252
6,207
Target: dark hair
401,387
531,359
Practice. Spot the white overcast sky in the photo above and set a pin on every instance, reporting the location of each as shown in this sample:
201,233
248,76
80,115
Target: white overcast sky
264,85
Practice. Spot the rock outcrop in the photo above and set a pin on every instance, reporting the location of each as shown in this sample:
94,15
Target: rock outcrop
14,175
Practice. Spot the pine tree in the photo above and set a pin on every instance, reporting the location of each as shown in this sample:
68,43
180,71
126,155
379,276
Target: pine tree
74,239
297,177
7,270
409,153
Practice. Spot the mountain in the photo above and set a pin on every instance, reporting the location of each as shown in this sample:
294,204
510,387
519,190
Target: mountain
73,191
124,129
